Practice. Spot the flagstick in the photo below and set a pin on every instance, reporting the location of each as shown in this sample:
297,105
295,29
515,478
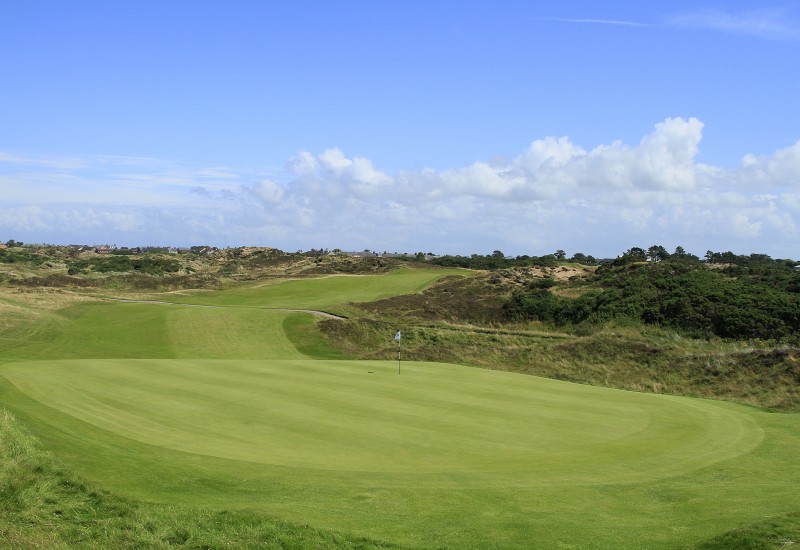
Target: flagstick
398,337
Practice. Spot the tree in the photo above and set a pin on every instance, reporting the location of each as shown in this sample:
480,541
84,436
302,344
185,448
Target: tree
657,253
560,254
579,257
630,256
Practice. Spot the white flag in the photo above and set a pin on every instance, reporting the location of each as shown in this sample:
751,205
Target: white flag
397,336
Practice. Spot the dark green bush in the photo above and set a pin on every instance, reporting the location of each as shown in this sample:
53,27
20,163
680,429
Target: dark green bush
740,303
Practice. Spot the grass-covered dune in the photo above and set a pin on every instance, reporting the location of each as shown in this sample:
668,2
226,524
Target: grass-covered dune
239,412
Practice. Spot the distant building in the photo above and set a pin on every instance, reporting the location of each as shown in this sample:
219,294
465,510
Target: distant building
3,245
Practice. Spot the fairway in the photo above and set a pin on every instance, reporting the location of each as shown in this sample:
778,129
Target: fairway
243,406
322,292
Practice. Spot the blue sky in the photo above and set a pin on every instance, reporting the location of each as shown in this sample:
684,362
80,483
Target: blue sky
449,127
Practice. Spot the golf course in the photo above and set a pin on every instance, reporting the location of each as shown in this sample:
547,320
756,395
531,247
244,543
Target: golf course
232,400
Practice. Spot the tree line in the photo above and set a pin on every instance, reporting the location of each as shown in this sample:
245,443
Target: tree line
498,260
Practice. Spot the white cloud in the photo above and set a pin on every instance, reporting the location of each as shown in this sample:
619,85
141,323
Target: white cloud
782,168
356,175
65,163
304,164
614,22
770,23
268,191
334,160
24,218
664,159
554,194
217,173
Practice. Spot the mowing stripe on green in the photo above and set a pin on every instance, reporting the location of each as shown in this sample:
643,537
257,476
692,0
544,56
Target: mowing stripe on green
364,417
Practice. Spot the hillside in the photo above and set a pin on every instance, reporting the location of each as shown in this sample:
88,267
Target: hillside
681,326
613,325
674,327
66,267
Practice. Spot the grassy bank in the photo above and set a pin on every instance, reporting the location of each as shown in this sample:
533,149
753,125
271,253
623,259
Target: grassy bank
653,361
43,505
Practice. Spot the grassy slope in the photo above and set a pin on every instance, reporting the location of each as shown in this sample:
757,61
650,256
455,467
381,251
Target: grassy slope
762,484
58,324
42,505
461,321
328,292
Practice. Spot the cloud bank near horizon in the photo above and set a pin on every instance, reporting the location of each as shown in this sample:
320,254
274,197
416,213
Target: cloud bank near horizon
554,194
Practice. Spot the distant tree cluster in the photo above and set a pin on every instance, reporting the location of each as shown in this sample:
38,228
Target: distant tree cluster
498,260
655,253
751,297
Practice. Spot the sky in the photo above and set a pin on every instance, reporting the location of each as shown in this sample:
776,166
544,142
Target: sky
452,127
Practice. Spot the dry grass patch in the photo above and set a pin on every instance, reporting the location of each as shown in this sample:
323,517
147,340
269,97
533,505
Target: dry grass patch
43,298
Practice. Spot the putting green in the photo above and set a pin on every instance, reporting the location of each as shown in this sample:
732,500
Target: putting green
433,419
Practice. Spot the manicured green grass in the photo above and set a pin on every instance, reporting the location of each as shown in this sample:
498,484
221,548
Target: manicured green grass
135,330
323,292
242,408
437,454
43,505
364,417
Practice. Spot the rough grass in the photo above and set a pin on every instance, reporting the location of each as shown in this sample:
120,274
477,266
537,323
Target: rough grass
654,361
775,533
459,320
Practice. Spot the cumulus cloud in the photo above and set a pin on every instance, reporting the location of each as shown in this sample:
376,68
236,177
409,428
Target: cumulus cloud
356,175
781,168
268,191
550,167
553,194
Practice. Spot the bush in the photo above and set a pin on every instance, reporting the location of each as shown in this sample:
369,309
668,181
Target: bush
758,303
125,264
